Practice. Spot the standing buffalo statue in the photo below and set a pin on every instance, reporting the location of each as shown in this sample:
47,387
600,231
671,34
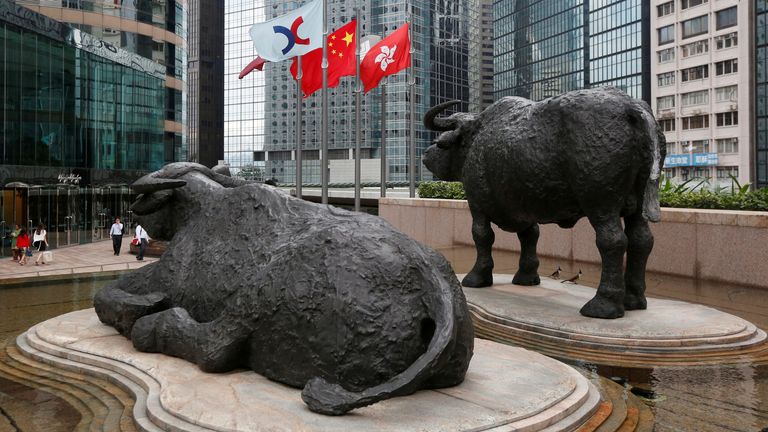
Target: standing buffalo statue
595,153
308,295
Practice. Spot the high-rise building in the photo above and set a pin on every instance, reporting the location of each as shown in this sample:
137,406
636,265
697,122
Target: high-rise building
701,88
760,94
156,30
80,119
205,83
547,47
260,110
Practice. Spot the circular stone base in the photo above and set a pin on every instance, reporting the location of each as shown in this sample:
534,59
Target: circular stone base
506,389
546,318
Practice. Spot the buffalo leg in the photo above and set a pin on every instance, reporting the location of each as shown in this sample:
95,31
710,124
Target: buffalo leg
121,309
482,272
640,244
528,274
612,243
216,346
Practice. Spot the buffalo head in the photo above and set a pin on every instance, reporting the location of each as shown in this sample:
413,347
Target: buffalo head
445,157
170,196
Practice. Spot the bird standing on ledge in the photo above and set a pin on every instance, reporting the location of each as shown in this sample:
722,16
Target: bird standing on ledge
573,279
556,274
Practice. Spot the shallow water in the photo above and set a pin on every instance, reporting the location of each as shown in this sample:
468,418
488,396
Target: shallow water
722,398
718,398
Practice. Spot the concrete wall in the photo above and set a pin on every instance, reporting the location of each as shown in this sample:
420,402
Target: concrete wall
729,246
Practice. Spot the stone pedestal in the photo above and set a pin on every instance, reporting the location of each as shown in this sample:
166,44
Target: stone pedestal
506,389
546,318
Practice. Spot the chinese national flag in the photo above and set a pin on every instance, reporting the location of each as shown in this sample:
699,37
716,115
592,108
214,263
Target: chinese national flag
387,57
341,60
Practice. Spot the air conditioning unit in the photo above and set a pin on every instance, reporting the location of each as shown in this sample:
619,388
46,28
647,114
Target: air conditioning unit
733,107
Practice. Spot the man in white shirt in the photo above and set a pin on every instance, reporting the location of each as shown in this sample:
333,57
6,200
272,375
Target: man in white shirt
141,234
116,234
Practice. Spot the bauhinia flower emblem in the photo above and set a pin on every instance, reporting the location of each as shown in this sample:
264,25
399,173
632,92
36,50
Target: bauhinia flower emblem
386,57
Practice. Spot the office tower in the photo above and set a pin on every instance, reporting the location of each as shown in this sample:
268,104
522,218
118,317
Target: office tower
205,84
701,88
545,48
260,118
80,120
155,30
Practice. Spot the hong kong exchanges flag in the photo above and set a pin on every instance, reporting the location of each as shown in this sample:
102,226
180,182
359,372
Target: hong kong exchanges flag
387,57
341,60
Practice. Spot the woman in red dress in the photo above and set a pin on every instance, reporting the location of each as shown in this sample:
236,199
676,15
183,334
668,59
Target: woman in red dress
22,242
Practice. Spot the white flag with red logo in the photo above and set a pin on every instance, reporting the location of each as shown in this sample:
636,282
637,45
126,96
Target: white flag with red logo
387,57
290,35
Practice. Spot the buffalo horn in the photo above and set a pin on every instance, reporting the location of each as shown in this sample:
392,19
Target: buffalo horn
431,121
149,184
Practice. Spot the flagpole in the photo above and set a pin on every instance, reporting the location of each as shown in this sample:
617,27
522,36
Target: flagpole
324,131
412,133
358,98
383,149
299,129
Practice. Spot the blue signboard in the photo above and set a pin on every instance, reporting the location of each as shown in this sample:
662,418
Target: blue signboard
684,160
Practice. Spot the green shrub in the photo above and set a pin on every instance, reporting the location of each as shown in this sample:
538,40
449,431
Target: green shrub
689,194
441,189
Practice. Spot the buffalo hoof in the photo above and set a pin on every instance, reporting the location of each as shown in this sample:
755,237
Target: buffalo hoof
476,280
526,279
143,335
599,307
635,302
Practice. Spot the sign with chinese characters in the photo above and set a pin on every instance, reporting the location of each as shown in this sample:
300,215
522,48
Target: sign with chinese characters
684,160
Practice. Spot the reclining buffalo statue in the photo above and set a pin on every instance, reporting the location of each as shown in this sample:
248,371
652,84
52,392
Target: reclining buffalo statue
595,153
308,295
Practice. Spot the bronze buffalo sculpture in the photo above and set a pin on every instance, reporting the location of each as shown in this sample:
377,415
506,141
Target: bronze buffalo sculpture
595,153
308,295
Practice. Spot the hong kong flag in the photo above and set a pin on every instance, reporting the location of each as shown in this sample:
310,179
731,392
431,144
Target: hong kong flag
341,60
387,57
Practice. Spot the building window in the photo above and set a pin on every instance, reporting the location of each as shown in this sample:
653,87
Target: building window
665,102
701,172
730,118
727,67
726,172
694,98
666,79
665,9
667,125
727,94
695,26
671,146
694,73
684,174
727,41
669,172
685,4
695,122
727,145
667,34
695,48
696,146
666,55
725,18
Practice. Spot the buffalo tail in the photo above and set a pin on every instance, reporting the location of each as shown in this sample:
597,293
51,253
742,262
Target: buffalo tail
332,399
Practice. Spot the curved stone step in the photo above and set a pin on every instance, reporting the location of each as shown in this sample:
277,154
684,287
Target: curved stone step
546,318
533,393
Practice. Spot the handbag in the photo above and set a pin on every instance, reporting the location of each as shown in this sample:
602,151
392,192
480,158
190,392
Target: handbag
47,256
135,241
28,252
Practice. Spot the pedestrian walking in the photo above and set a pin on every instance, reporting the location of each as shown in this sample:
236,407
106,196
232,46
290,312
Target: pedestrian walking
116,233
22,242
143,238
40,242
14,247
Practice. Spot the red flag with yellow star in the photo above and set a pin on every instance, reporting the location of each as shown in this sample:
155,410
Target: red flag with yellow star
341,60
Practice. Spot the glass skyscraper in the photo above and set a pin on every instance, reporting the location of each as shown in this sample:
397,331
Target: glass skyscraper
543,48
155,30
260,110
81,119
761,97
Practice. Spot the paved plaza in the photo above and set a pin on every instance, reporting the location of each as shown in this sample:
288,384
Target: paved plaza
82,259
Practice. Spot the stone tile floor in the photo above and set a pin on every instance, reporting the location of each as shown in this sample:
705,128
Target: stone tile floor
86,258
